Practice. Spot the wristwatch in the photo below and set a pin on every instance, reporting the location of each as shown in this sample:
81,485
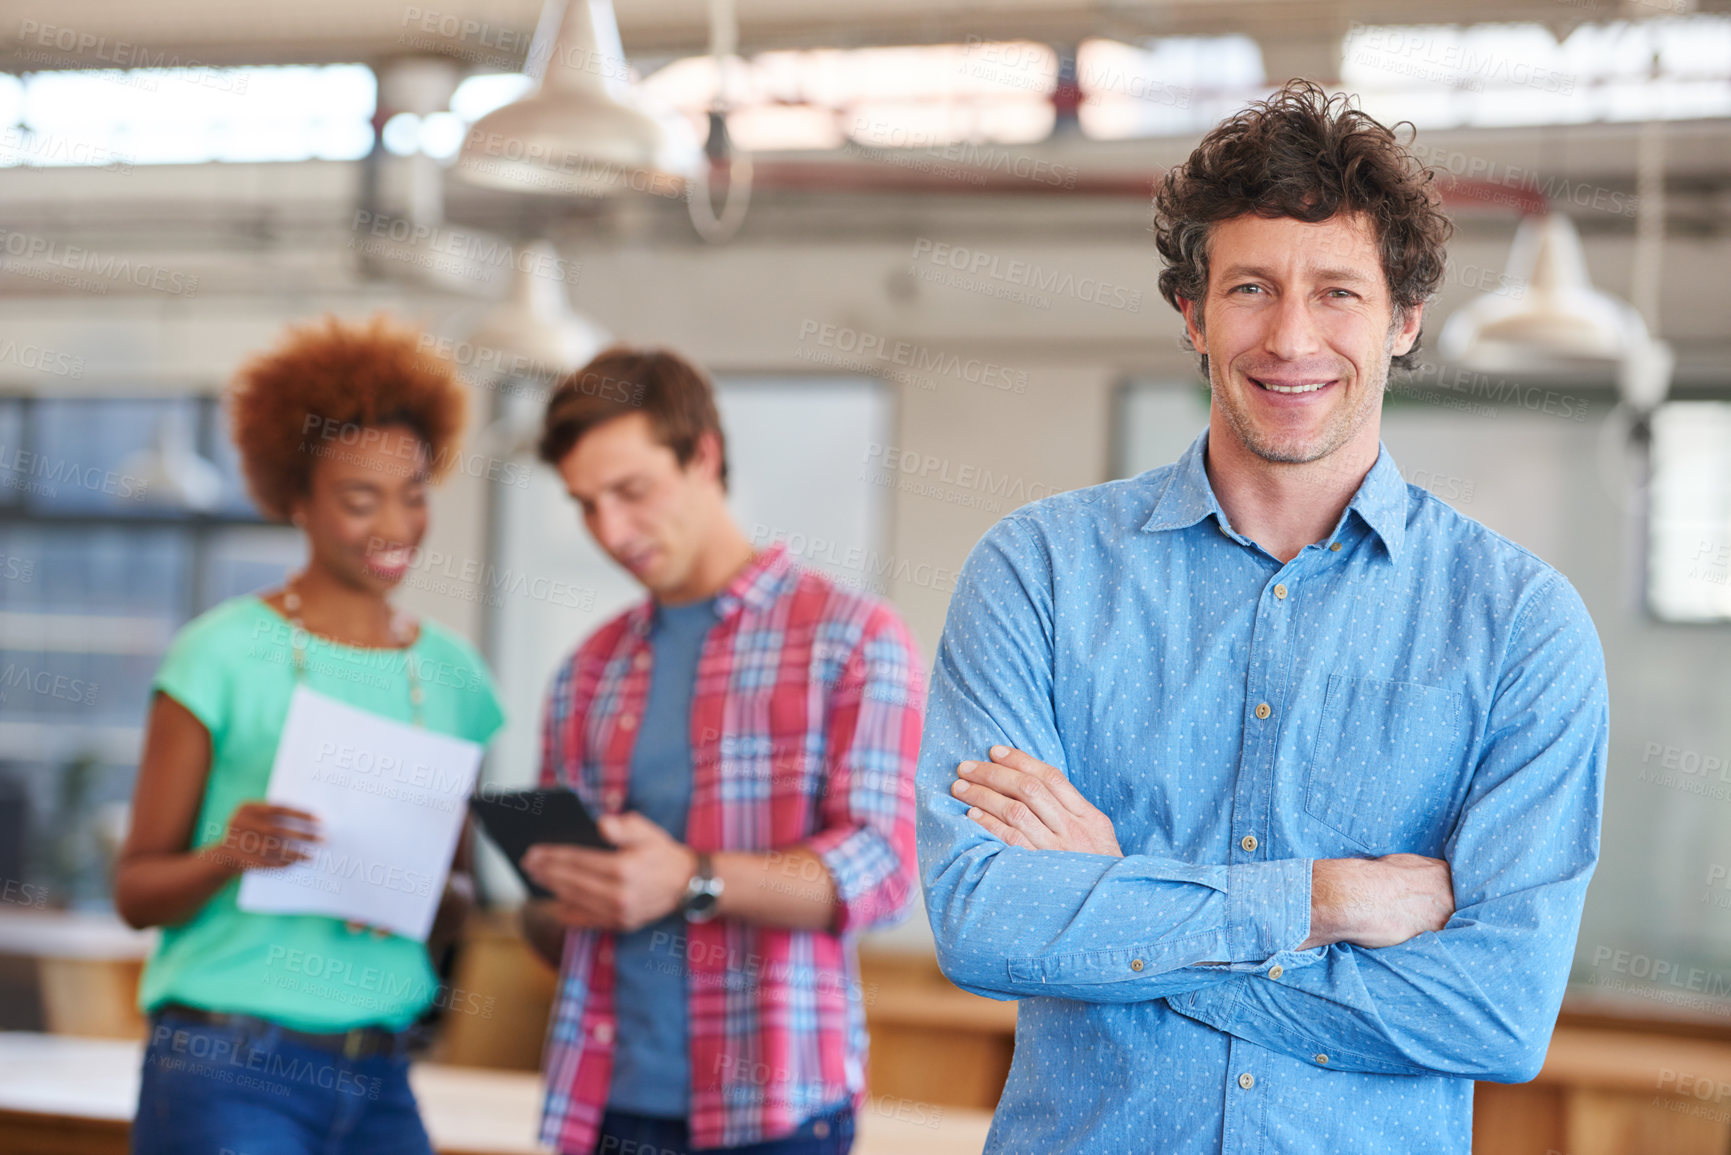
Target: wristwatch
703,892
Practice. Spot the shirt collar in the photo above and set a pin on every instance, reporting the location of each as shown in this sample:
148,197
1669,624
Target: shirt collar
1188,498
757,585
1381,503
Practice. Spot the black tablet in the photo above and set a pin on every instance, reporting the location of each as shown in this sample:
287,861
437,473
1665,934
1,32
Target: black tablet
519,819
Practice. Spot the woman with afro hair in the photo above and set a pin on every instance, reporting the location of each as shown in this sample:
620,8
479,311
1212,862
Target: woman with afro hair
284,1034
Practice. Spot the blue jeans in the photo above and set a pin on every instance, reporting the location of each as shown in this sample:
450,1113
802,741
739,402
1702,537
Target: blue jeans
210,1090
625,1134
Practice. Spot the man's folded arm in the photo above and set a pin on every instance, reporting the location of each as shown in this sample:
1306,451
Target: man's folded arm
1012,923
1477,999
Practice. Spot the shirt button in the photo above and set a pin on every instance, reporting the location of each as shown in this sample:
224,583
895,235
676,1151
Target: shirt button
628,721
1135,964
820,1129
602,1032
1262,710
1248,842
1322,1058
1247,1080
642,660
1280,591
1335,546
1276,971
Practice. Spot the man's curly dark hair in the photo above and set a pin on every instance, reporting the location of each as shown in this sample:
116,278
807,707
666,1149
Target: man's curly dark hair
1309,156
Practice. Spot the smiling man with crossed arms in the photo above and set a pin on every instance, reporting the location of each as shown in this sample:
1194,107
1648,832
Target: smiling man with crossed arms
1269,783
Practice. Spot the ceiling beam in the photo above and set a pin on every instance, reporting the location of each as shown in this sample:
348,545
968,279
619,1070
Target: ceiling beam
495,33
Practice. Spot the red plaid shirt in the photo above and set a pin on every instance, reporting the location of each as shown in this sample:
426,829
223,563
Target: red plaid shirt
805,729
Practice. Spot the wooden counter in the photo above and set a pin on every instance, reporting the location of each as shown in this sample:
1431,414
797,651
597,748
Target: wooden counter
71,1096
87,967
1612,1092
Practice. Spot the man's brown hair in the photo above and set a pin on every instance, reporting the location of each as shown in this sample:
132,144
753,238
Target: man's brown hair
1306,155
676,395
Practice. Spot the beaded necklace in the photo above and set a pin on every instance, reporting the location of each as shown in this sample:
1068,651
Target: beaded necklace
401,629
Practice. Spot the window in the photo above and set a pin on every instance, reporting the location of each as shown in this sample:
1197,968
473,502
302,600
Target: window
1166,86
1689,555
98,569
182,115
1493,75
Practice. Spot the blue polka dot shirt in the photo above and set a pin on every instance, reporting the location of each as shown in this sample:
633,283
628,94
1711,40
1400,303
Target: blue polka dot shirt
1413,682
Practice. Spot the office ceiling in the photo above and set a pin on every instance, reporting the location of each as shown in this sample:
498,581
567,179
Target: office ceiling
223,32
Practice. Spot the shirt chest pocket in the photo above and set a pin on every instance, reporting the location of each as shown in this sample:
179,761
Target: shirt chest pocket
1387,769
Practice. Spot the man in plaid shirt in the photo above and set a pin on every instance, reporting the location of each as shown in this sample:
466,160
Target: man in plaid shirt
748,735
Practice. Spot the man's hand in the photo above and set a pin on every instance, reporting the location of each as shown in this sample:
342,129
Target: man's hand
1378,901
623,889
1024,802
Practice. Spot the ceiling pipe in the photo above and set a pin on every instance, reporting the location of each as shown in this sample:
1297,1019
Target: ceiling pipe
883,175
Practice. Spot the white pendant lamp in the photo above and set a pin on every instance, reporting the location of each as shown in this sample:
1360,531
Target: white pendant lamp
579,132
1558,322
534,337
534,322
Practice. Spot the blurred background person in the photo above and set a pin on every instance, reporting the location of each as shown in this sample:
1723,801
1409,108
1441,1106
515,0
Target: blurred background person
341,429
748,734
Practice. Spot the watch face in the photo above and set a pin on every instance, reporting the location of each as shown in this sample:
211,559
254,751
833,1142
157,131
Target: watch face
703,892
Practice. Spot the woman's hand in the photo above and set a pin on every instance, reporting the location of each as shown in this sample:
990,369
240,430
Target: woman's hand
262,836
160,879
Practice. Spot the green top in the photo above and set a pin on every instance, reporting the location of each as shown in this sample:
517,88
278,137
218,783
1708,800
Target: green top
233,670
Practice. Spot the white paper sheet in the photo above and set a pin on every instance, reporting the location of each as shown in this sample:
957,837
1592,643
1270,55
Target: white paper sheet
390,799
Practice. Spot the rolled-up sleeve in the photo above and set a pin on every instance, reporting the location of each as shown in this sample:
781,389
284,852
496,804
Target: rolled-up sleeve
871,742
1011,922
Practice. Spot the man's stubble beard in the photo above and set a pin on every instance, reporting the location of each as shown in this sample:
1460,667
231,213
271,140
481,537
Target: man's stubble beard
1343,425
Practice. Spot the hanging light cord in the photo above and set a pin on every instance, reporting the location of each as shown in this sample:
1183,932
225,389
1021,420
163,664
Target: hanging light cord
723,46
1649,222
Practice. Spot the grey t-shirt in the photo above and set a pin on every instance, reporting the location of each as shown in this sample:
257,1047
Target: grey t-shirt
651,1058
